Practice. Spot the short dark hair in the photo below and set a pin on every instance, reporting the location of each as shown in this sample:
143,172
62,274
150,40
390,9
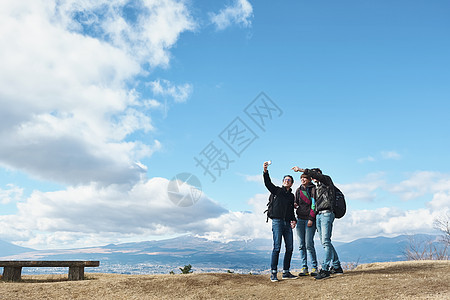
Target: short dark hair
305,176
292,178
317,170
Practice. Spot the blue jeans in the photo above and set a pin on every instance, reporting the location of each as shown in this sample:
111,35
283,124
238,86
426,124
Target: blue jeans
306,238
282,229
324,223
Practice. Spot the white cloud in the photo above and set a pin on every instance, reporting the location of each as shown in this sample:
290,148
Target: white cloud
142,29
180,93
390,155
240,225
384,155
81,215
123,213
392,221
240,13
253,178
440,201
68,114
365,189
12,193
420,183
408,221
385,221
66,109
366,159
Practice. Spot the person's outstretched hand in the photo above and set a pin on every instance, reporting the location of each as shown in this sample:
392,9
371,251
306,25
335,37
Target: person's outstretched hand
297,169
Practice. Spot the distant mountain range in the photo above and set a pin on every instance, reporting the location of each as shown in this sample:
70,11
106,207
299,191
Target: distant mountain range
206,256
7,249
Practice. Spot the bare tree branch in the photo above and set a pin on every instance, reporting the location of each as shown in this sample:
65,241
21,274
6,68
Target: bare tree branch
442,224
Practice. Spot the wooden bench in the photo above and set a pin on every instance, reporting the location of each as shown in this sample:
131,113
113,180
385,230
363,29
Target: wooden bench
12,269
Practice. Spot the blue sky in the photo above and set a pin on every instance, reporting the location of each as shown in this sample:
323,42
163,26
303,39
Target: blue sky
103,103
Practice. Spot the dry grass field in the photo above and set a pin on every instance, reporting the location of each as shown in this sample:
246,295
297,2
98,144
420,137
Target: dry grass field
399,280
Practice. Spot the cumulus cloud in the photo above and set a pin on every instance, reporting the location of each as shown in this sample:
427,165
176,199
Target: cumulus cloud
392,221
385,221
420,183
142,29
80,215
67,111
240,12
364,190
122,213
240,225
12,193
441,201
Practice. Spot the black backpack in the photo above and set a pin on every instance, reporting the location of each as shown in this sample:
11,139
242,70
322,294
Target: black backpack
340,206
269,209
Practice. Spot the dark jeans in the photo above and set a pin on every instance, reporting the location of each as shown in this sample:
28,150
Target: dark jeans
282,229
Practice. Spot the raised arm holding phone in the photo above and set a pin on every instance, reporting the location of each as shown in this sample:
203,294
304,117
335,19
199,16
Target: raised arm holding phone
283,221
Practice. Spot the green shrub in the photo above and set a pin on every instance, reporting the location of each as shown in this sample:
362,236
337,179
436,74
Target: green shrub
186,269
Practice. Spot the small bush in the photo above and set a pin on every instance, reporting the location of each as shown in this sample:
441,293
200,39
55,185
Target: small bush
186,269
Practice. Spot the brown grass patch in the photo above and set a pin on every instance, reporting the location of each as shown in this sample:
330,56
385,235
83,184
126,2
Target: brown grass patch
399,280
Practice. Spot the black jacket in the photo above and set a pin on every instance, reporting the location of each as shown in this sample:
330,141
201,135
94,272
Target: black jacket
304,210
283,205
324,191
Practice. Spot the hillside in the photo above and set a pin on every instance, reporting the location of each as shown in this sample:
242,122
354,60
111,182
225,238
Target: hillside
397,280
7,249
163,256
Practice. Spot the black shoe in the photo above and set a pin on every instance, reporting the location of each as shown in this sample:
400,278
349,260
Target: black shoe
313,272
322,275
288,275
273,277
336,271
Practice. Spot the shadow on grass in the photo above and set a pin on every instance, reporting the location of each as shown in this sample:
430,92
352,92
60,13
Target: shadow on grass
49,279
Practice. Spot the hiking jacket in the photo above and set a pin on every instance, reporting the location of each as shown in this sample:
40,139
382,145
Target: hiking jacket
283,203
304,199
324,194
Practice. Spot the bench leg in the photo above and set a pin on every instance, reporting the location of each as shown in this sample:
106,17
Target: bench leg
76,273
12,273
